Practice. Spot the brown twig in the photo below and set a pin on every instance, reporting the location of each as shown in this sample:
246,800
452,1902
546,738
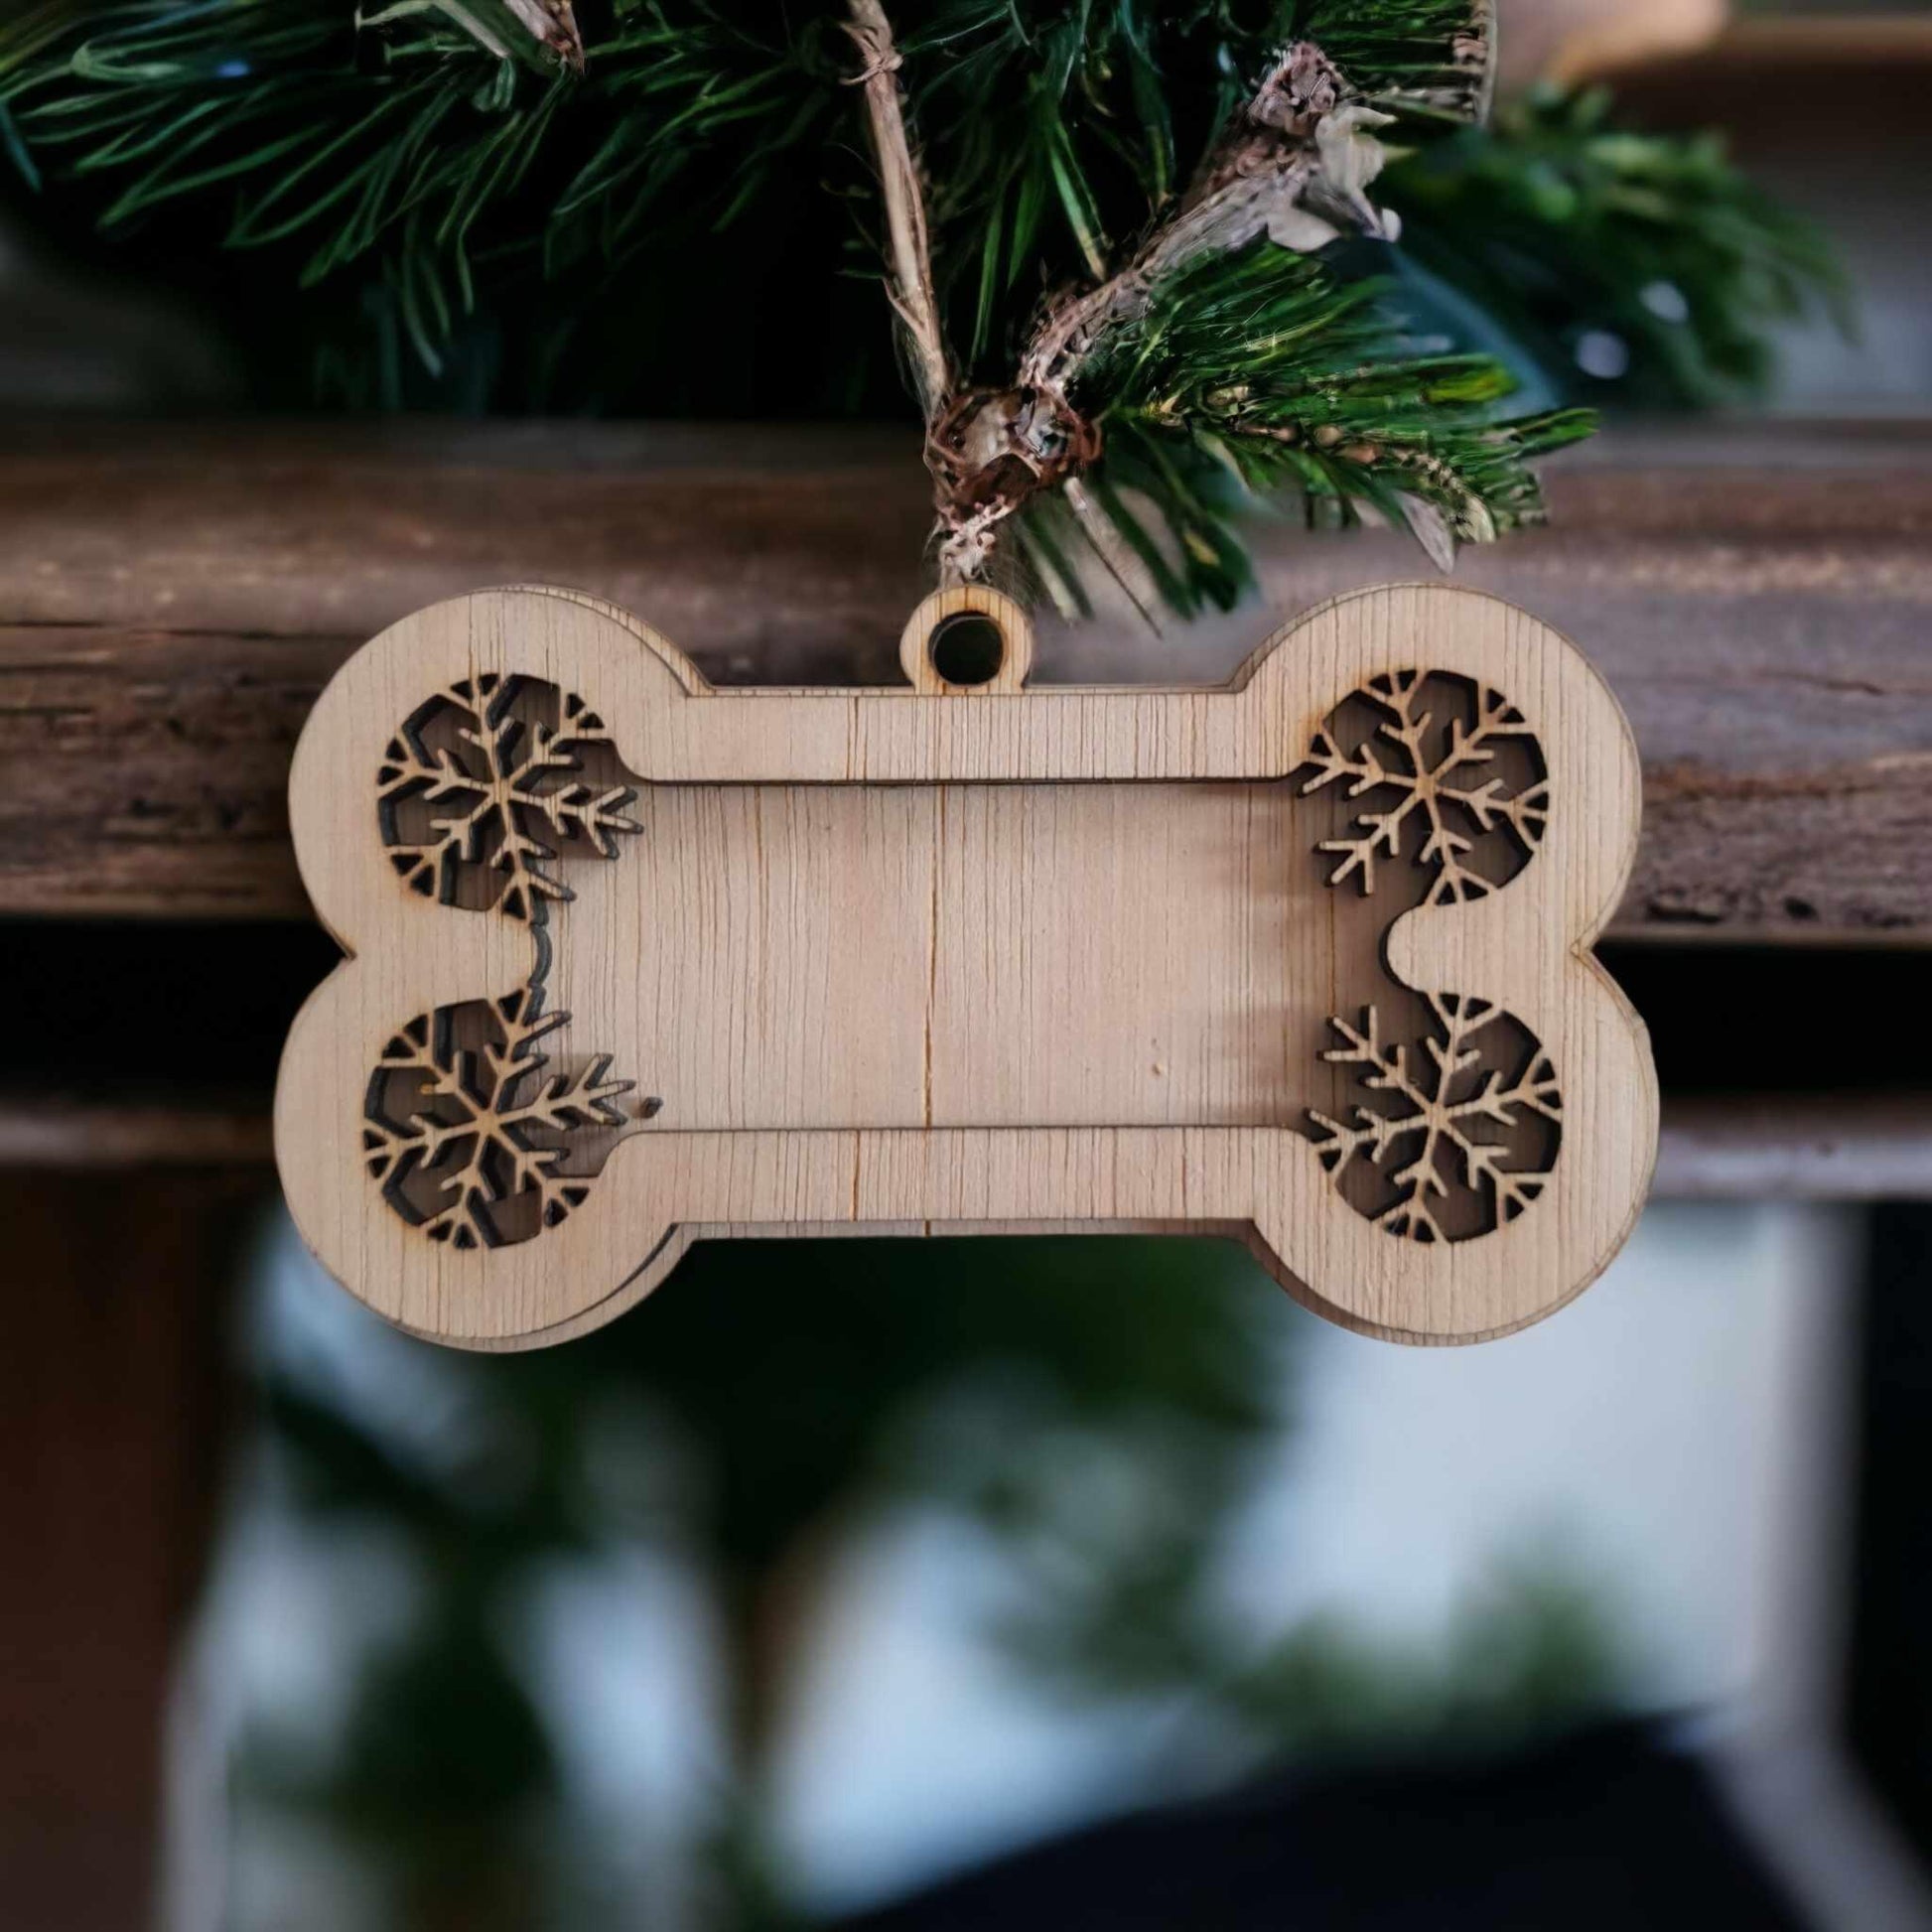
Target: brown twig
554,23
1294,166
909,274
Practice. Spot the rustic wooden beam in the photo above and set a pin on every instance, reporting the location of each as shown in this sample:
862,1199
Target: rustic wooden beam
172,597
70,1135
1844,1147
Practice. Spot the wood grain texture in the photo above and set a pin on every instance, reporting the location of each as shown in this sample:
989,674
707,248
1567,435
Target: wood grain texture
886,960
172,599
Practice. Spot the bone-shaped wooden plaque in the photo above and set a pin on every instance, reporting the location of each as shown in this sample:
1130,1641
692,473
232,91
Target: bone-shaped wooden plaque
1304,959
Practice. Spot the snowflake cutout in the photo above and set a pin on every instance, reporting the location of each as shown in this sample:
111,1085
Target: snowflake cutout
1425,760
453,1134
1453,1118
497,799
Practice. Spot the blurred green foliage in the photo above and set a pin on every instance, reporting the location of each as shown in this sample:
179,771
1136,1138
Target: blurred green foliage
1636,267
1099,1409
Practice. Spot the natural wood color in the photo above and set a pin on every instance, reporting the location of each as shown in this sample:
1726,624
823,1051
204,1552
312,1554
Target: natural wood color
886,961
173,598
965,600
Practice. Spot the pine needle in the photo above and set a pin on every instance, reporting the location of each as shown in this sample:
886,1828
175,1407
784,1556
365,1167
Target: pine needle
1264,378
409,141
421,167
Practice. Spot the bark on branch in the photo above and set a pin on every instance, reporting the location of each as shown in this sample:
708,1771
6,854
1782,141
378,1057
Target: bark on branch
1294,166
909,271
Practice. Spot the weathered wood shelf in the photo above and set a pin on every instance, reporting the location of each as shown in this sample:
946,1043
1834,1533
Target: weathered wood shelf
172,599
72,1133
1714,1146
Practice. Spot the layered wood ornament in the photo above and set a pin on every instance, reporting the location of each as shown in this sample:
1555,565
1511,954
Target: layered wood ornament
632,962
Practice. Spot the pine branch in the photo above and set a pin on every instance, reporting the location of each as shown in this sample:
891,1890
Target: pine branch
1169,175
413,142
499,26
1293,165
1433,57
1057,133
553,23
1264,378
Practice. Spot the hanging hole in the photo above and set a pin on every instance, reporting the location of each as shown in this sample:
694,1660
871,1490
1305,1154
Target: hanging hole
968,648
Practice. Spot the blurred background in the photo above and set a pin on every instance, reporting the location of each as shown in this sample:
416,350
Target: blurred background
1022,1583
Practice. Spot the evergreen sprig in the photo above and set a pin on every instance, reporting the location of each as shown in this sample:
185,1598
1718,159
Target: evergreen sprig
1411,55
1056,134
1131,368
1253,378
417,140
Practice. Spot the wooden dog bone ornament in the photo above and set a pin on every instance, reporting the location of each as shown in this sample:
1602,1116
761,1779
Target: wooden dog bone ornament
632,962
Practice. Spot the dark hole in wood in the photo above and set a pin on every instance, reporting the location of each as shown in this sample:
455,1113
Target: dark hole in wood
967,650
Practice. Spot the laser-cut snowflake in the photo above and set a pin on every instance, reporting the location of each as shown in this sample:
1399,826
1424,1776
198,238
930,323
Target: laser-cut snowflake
454,1133
1424,757
498,794
1445,1124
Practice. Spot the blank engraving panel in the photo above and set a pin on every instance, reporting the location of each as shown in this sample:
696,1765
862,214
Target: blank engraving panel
922,957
